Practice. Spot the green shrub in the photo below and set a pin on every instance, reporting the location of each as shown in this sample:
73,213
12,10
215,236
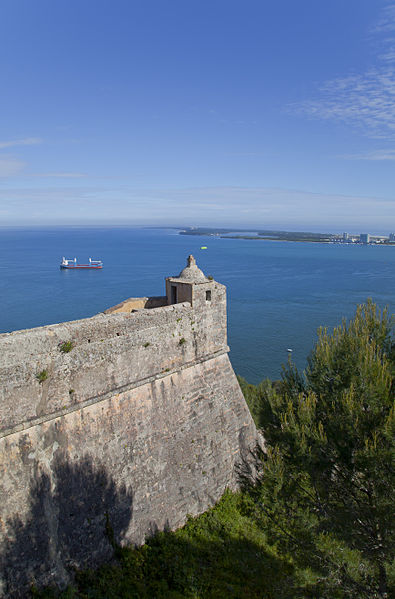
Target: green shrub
66,346
182,341
42,376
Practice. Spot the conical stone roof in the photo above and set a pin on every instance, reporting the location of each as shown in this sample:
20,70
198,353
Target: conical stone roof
192,273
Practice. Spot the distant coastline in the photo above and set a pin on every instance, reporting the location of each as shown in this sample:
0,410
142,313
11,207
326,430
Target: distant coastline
298,236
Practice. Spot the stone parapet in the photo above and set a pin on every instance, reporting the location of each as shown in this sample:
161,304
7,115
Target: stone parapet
106,353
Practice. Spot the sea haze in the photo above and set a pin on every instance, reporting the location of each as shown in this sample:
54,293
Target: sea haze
279,293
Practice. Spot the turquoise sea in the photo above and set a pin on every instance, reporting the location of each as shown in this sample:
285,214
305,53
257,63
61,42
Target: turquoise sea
278,292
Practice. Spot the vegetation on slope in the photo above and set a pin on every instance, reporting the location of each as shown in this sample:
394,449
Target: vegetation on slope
326,492
319,521
221,554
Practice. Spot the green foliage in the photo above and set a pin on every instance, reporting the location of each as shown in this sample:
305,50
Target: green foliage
42,376
182,341
66,346
219,555
259,398
326,492
147,344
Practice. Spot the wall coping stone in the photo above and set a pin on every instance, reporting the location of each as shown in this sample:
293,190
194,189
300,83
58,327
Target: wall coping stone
102,317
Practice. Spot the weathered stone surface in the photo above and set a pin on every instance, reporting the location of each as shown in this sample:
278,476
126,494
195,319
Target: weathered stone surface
136,303
140,424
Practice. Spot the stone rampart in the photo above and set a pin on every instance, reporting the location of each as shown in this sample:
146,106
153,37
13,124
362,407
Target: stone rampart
108,353
127,421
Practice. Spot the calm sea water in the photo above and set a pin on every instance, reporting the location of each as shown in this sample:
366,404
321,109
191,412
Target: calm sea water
278,292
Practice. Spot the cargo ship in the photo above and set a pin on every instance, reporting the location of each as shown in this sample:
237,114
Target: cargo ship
72,264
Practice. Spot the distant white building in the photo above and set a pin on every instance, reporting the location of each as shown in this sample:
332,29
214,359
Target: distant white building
392,237
364,238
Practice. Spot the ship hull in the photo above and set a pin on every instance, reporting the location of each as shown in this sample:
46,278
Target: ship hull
81,267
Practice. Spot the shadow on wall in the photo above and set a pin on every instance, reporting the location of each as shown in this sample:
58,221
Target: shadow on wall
74,520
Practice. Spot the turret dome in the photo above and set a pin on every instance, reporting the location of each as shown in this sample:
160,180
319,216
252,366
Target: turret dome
192,272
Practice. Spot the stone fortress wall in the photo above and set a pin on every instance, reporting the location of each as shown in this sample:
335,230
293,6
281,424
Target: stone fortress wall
113,427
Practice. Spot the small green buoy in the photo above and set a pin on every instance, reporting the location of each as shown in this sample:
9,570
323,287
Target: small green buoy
203,247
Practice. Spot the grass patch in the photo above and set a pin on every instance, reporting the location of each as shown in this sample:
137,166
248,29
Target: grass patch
66,346
42,376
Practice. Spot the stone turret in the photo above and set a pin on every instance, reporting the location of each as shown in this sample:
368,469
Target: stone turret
192,272
193,286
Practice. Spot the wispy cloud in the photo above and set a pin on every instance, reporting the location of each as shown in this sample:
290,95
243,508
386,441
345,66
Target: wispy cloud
386,21
365,100
376,155
10,166
27,141
60,175
384,29
260,207
389,54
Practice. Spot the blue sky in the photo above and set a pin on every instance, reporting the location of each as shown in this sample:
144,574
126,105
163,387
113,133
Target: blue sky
269,113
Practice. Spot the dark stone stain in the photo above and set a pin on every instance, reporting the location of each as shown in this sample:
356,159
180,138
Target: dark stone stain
25,448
